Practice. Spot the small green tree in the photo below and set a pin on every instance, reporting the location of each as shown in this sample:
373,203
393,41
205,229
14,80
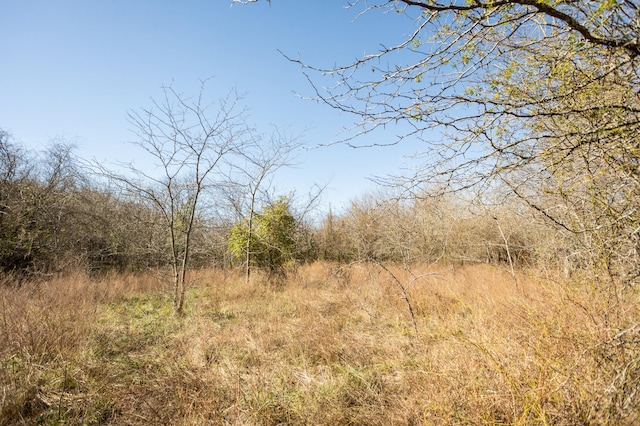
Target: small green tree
270,239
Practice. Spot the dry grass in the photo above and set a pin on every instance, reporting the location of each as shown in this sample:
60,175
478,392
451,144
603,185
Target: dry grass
332,345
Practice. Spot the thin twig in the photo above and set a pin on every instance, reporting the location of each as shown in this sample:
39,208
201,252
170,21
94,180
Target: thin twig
404,292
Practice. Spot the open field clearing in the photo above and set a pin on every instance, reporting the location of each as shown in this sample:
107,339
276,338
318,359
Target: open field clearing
445,230
331,345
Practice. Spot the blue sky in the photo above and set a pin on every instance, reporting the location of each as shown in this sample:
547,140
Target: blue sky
73,68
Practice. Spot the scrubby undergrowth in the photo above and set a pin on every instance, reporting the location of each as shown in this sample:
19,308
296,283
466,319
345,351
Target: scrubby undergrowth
331,345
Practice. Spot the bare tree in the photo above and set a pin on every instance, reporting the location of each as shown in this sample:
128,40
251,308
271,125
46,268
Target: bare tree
191,143
253,177
536,96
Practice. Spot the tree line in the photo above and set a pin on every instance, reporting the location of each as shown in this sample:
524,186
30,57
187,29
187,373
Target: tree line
56,215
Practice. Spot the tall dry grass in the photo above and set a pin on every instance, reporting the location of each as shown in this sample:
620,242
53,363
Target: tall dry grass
334,344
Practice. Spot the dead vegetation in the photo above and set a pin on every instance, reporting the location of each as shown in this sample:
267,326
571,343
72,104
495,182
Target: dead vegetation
335,344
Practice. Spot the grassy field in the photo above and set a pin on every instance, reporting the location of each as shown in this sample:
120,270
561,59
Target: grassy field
331,345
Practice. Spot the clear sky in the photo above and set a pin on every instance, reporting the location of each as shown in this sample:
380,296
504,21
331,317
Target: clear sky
73,68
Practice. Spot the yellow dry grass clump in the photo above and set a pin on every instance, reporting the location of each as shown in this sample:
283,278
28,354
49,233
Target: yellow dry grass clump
331,345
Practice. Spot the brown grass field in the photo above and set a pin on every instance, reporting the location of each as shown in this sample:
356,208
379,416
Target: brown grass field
329,346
